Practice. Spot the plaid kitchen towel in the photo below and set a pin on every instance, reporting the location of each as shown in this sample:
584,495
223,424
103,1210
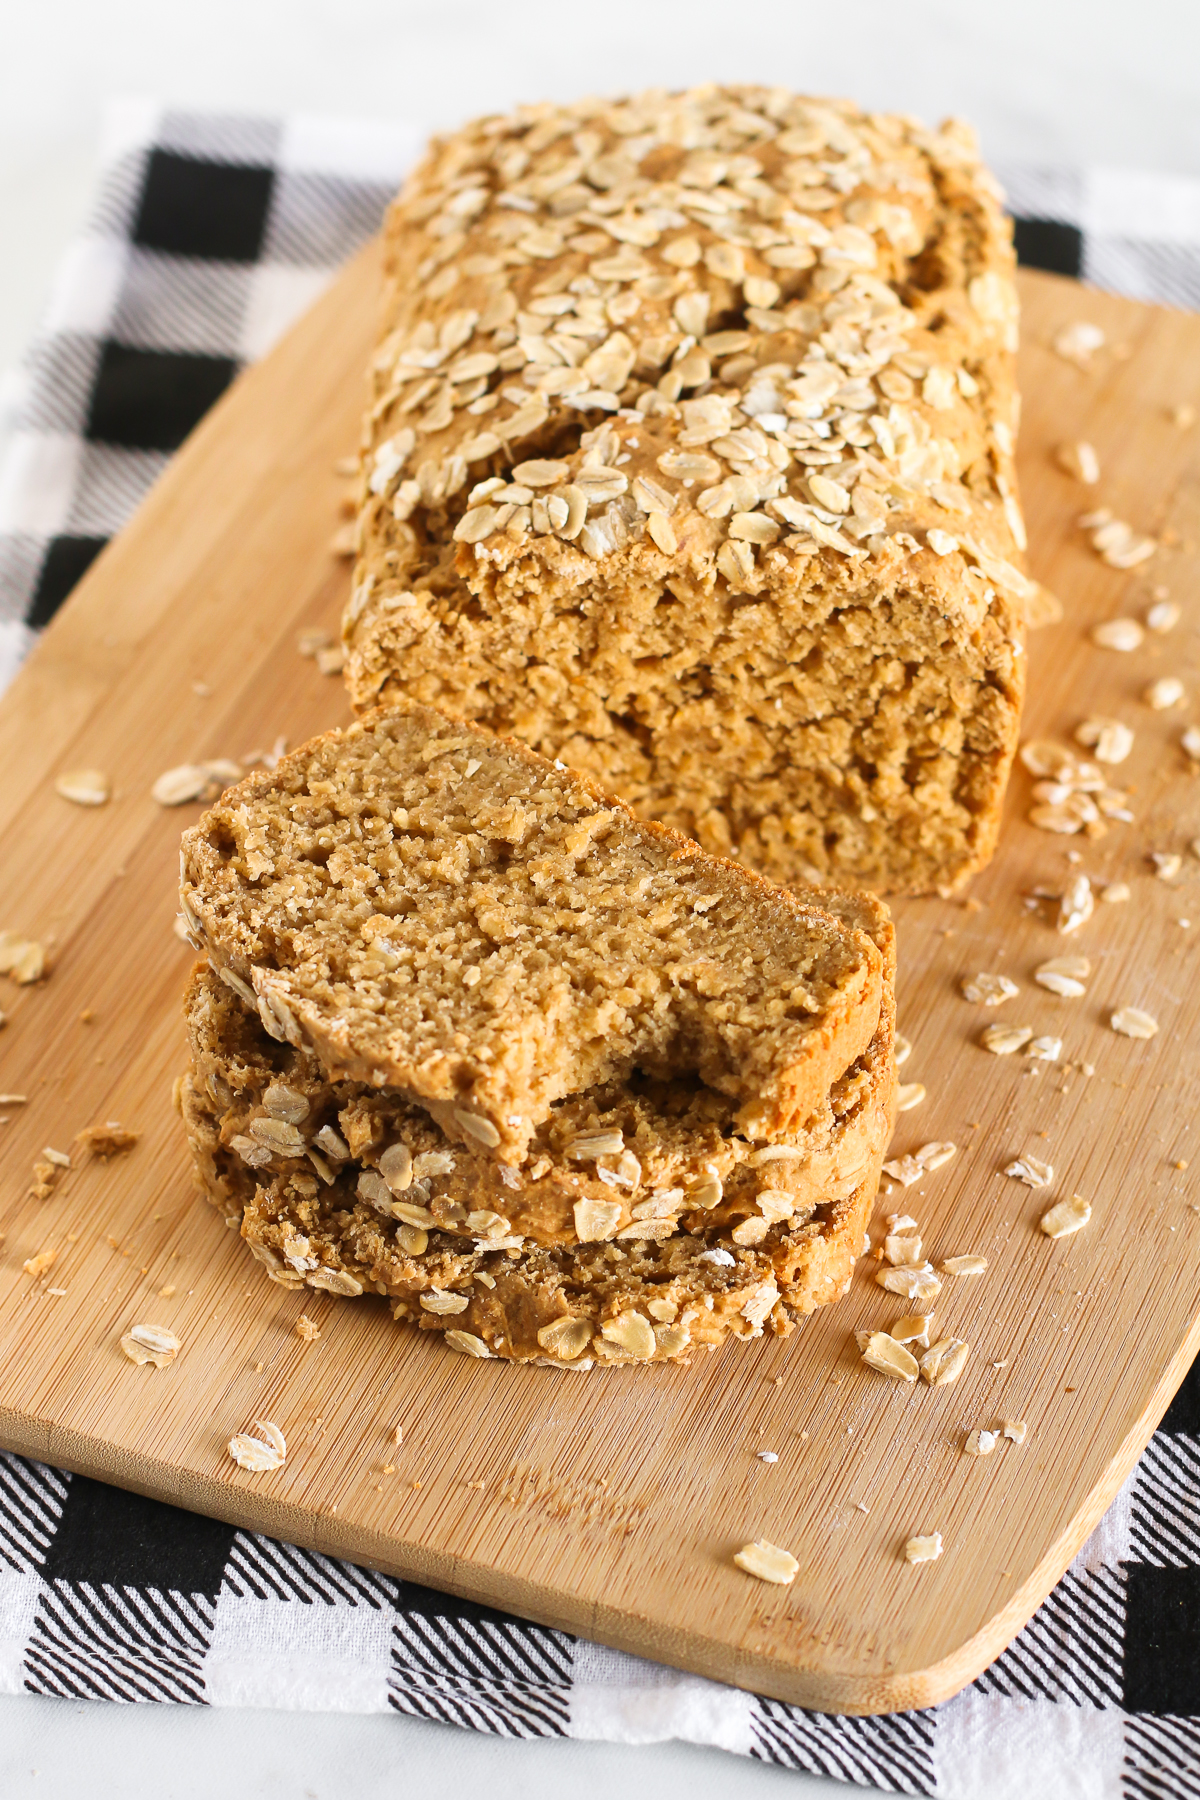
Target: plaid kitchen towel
211,233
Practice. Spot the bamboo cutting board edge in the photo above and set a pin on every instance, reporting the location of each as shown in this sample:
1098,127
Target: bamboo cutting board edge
101,696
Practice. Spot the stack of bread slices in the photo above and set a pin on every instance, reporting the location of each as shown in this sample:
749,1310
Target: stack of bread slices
555,1081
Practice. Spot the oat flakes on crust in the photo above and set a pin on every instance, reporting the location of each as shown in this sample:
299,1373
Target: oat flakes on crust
670,1278
689,460
539,1303
676,1161
437,911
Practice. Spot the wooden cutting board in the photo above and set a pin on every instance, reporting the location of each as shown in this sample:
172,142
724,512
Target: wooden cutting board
611,1505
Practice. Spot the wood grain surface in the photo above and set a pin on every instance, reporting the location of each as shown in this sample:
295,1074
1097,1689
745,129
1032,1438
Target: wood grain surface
611,1505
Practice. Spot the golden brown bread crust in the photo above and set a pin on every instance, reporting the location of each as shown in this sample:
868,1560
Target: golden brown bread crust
740,366
449,915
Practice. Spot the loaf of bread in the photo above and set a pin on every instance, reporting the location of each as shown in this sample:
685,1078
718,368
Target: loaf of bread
442,913
689,461
643,1225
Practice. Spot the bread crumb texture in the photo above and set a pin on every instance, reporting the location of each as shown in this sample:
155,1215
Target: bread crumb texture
451,917
689,461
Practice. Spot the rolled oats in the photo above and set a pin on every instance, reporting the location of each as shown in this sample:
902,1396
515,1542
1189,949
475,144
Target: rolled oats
86,787
883,1353
923,1549
988,990
1132,1022
767,1562
943,1362
1065,1217
1003,1040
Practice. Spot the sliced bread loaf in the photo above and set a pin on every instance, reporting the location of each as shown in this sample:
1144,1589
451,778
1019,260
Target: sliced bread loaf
689,459
447,915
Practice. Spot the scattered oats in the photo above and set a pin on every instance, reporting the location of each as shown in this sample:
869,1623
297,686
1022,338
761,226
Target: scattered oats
1044,1049
1115,893
38,1265
57,1293
1080,460
908,1169
12,1099
151,1344
1163,616
1190,740
195,781
980,1443
307,1329
1078,342
944,1361
86,787
767,1562
258,1453
1002,1040
908,1095
1166,692
59,1158
1111,740
1121,547
331,660
904,1046
1167,864
883,1353
911,1284
767,1456
468,1343
1015,1430
1066,1217
913,1328
964,1265
1076,905
1031,1170
1118,634
397,1434
314,639
22,958
903,1249
988,990
1130,1021
1064,975
923,1549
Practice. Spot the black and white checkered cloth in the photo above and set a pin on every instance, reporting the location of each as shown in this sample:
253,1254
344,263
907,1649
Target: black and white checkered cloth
209,236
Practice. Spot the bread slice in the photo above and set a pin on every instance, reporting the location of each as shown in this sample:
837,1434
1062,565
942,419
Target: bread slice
689,460
294,1162
451,917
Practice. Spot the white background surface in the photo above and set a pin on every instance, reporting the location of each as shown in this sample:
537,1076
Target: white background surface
1055,81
